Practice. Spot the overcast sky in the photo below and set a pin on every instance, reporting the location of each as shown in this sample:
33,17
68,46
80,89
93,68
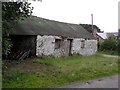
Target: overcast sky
105,12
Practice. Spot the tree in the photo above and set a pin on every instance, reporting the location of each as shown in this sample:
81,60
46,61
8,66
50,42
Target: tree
12,12
109,44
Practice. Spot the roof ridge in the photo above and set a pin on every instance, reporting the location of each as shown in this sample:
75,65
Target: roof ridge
55,20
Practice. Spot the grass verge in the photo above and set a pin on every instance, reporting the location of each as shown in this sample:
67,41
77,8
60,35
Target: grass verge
55,72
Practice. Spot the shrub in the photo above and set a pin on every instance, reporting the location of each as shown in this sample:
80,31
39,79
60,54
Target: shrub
109,44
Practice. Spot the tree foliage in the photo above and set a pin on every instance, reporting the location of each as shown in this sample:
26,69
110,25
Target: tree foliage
109,44
12,12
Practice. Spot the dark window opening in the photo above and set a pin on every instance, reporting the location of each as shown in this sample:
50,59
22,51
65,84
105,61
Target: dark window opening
57,43
83,44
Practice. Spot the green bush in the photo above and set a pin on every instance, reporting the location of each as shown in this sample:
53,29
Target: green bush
109,44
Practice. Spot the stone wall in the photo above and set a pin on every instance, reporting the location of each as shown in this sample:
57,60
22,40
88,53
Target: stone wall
90,47
63,50
46,46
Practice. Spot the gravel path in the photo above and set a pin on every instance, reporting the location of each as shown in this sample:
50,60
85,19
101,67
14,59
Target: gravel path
110,56
108,82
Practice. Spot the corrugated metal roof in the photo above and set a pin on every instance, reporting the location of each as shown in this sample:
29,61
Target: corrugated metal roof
39,26
103,35
106,35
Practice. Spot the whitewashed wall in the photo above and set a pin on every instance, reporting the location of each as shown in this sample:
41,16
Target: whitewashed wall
46,47
90,47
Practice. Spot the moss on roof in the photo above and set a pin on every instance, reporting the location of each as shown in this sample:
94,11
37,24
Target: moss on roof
40,26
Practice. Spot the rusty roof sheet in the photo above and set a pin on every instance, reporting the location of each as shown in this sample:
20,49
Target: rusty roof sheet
40,26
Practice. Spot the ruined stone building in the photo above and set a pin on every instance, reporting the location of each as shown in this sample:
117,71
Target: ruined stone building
41,37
